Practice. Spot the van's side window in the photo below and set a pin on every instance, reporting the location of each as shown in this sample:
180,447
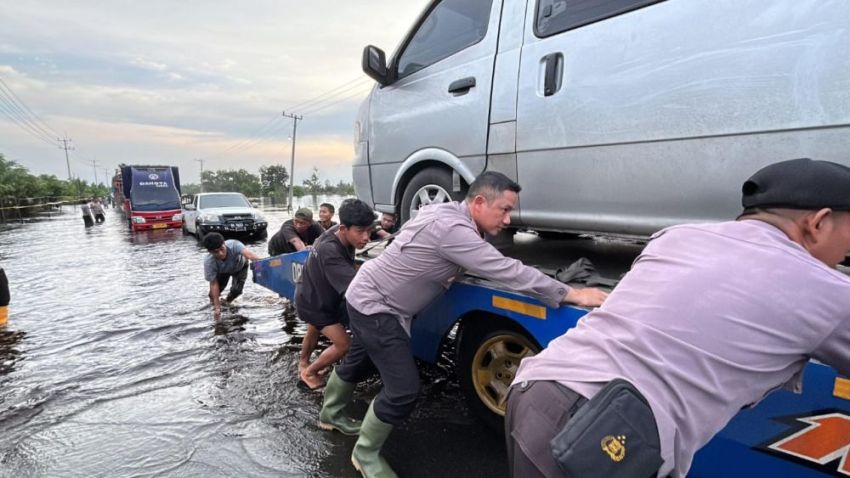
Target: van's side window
451,26
556,16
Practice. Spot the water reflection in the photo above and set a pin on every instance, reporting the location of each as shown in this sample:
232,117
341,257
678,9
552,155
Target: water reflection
10,354
112,365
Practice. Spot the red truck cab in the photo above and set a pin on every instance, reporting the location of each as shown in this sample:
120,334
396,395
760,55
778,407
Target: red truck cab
150,196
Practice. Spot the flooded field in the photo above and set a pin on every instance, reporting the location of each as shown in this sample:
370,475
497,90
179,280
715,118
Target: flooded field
112,365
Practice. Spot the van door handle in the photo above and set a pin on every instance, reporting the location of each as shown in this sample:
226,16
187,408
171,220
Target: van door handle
461,86
552,73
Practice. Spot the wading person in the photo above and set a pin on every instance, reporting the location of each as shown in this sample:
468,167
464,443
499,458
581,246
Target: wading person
295,234
326,215
97,210
85,208
319,298
427,254
227,259
710,318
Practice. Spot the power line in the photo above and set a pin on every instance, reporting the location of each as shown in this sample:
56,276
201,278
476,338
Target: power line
43,125
316,109
16,110
316,103
319,98
242,144
10,113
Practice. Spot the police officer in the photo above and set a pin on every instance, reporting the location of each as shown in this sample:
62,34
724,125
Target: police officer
710,319
428,253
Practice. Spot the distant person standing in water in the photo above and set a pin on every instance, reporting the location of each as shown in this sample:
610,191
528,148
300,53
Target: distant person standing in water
86,210
97,210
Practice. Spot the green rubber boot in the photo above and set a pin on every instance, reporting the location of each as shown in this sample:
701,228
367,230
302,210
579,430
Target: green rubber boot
366,457
338,393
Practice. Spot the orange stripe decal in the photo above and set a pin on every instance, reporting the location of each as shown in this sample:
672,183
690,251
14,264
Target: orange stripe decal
842,388
536,311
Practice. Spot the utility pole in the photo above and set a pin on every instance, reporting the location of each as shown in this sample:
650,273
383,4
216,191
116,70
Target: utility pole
65,146
201,160
295,119
94,168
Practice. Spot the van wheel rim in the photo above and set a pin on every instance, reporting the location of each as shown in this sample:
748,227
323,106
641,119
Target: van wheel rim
426,195
494,367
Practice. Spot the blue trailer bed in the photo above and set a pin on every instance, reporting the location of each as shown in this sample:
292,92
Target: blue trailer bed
787,434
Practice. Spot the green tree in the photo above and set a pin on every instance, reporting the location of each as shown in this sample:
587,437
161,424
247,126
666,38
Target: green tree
344,189
231,181
313,185
190,188
273,181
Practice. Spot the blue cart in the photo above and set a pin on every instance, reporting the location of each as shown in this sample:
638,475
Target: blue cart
786,435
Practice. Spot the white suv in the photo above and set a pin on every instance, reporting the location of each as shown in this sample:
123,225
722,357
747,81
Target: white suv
225,213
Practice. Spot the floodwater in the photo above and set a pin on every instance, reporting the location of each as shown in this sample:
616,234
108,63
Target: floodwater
112,365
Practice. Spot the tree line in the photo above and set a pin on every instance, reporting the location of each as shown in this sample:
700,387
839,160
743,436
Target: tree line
17,182
273,182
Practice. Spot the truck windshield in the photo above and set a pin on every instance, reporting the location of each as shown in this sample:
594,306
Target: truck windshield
222,200
154,191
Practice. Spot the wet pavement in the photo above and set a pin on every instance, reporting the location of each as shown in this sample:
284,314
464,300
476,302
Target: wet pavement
112,365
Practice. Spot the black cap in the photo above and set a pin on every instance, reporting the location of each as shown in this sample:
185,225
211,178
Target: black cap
213,241
799,184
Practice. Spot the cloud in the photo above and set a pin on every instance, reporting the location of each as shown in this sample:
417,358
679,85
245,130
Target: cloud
148,64
173,81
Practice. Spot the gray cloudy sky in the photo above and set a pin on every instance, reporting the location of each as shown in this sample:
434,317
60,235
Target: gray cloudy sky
165,82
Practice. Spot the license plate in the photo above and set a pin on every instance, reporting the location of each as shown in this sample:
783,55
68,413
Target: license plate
160,226
237,227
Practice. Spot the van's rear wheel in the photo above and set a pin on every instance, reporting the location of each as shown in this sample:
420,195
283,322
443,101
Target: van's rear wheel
489,352
429,186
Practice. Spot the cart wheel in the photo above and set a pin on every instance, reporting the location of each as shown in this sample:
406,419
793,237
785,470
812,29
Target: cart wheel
490,350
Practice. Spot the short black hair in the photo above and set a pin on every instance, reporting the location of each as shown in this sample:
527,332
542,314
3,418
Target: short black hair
213,241
491,185
354,212
327,205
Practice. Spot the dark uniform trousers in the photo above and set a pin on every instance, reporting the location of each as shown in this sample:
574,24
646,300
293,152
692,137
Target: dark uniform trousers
381,343
537,411
238,283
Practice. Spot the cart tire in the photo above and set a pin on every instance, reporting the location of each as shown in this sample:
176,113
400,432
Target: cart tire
488,355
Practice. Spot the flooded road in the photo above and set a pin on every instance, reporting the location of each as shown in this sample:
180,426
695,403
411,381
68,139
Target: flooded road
111,365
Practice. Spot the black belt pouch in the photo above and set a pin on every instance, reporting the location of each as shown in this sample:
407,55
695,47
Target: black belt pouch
613,435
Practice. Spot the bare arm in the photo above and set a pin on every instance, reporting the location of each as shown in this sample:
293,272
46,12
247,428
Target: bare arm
298,244
250,255
215,298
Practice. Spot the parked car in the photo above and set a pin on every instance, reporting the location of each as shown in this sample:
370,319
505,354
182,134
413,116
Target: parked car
226,213
617,117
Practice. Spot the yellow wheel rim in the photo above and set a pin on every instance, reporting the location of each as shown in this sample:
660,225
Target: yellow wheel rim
494,366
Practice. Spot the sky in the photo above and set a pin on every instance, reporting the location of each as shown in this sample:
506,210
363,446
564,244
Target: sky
169,82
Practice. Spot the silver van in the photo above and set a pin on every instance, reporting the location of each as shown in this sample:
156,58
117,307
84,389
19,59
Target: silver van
616,116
